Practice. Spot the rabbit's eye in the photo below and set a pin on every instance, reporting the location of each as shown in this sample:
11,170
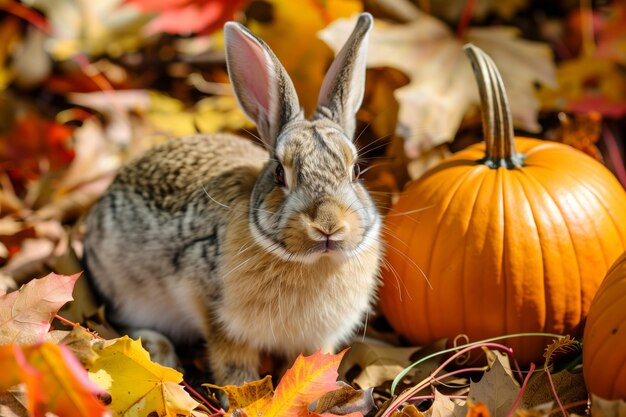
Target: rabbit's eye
279,175
356,172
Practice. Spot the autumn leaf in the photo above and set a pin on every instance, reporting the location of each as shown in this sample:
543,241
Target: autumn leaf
253,397
25,315
54,380
496,389
442,87
307,380
94,28
478,410
346,400
379,363
136,384
586,84
444,407
33,146
188,16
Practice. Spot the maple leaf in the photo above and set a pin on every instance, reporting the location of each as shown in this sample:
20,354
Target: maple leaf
442,87
54,380
179,17
308,379
25,315
137,385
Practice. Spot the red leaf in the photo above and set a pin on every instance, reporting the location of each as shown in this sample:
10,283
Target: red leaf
188,16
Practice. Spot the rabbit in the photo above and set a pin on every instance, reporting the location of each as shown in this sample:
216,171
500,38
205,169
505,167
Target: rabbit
271,249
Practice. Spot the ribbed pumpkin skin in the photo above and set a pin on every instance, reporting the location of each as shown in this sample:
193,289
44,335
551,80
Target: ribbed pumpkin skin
604,340
505,250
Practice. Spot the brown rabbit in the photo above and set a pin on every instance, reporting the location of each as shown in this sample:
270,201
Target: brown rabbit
254,250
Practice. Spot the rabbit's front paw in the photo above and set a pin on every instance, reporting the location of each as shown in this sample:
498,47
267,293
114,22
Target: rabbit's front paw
160,347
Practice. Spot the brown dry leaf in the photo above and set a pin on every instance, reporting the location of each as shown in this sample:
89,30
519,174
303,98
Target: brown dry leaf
31,63
296,23
13,403
442,87
582,131
408,411
346,400
496,389
445,407
379,363
36,246
570,387
607,408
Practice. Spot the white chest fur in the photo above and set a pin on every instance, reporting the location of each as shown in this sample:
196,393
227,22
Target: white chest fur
294,308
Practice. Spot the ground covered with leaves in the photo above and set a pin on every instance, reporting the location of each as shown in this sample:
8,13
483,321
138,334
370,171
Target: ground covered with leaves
87,85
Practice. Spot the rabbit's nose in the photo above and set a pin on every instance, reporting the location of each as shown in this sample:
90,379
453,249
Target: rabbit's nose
331,233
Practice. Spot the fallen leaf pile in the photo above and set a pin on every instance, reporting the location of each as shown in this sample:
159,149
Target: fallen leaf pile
87,85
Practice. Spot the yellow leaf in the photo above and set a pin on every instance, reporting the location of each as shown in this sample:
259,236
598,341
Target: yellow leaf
299,22
254,397
137,385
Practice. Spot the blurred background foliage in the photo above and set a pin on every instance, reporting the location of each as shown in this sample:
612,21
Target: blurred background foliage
85,85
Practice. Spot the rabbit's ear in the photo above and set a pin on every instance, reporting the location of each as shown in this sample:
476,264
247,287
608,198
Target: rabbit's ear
342,90
262,87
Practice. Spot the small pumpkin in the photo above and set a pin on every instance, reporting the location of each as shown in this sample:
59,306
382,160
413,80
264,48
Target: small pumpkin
507,236
604,339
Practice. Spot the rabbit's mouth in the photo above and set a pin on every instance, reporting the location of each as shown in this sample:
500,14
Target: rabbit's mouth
328,245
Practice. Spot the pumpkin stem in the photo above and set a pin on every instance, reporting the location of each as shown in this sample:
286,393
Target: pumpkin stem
496,114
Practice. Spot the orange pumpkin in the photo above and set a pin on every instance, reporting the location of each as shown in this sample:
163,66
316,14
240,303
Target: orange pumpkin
604,340
507,236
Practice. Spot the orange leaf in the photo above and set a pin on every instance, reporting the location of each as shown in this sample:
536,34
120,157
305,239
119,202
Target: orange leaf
25,315
308,379
55,381
16,370
478,410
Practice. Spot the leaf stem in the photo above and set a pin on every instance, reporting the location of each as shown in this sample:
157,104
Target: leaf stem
73,325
